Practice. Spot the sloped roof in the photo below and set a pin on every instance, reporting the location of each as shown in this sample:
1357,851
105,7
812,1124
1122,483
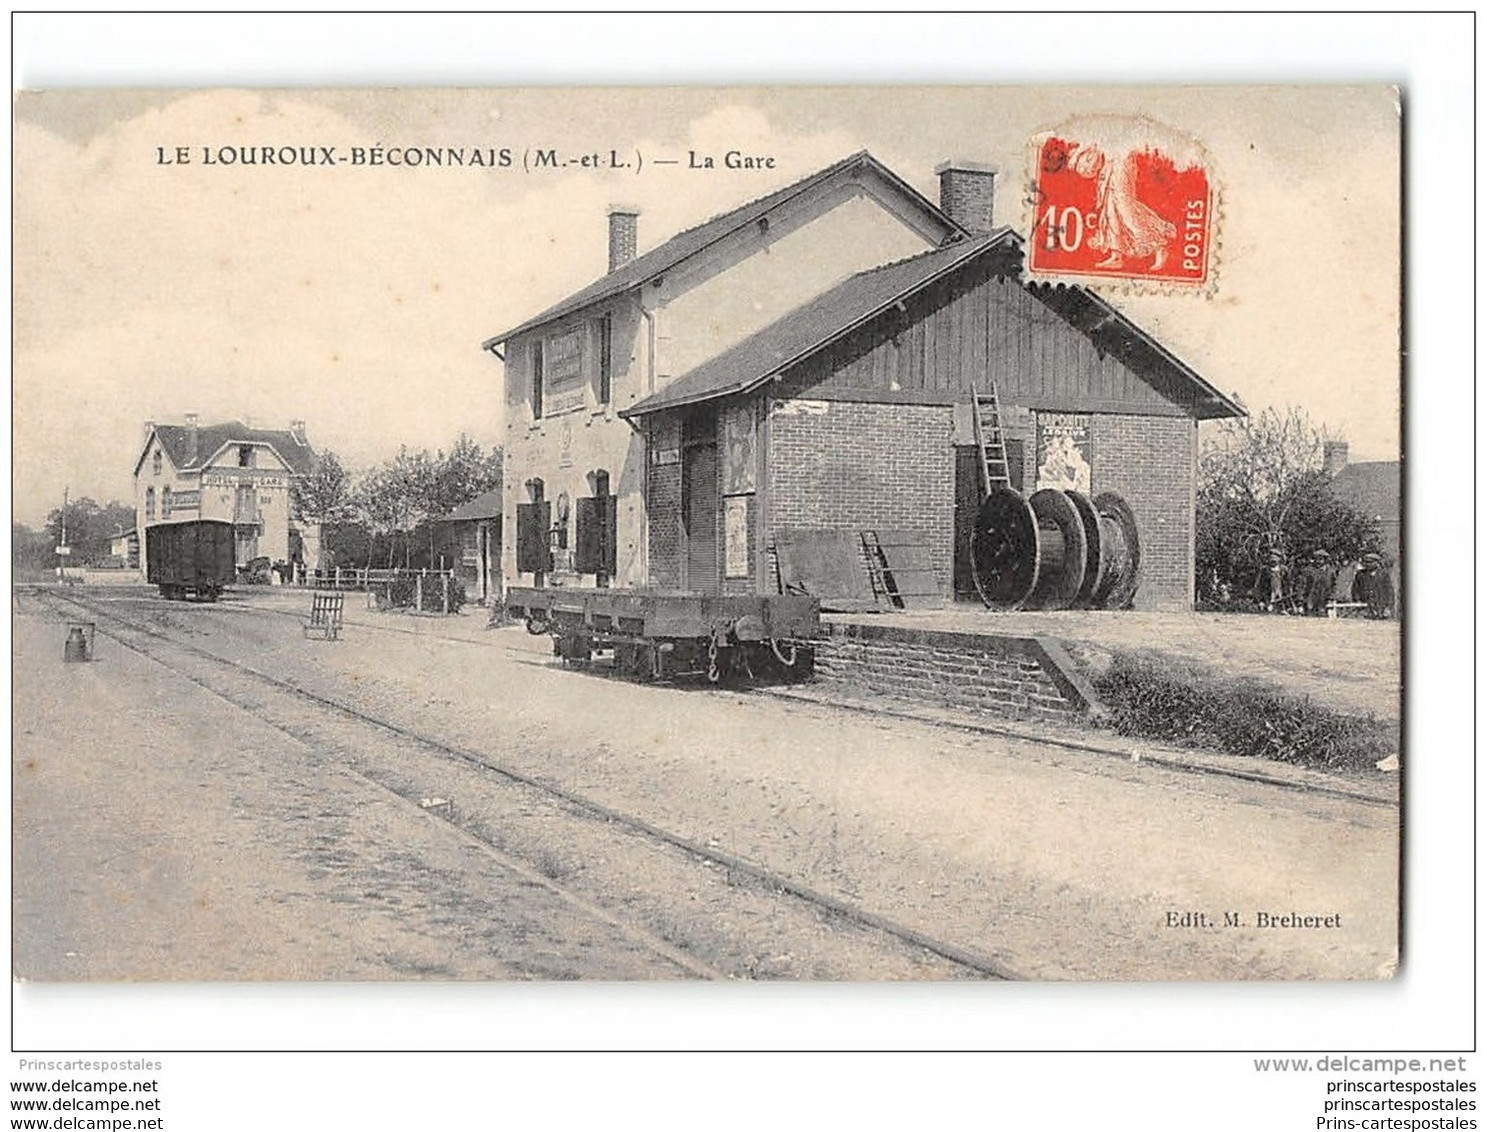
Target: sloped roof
807,328
487,506
1371,486
210,439
1113,333
688,243
864,296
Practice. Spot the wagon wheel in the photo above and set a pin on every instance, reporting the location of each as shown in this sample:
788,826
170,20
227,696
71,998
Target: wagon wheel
575,651
1004,548
1062,549
624,660
1097,553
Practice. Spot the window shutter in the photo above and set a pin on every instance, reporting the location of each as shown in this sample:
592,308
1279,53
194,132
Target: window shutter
532,553
588,553
595,552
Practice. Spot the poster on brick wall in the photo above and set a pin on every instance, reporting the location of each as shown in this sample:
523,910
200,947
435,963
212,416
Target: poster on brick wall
1065,451
740,428
805,288
736,535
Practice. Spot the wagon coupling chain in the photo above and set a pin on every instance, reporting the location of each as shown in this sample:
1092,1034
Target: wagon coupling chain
779,654
712,659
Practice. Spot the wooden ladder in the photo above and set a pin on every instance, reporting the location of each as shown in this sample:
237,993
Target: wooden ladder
986,417
877,569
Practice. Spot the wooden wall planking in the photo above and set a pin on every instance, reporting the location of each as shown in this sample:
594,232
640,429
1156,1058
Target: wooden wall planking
951,335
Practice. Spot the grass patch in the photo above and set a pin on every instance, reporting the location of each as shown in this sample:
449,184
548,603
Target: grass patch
1160,697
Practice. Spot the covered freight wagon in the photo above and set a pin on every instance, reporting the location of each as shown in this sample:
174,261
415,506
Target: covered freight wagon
190,560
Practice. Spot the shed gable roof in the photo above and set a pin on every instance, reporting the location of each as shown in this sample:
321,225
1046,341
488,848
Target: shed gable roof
486,506
867,295
813,325
659,260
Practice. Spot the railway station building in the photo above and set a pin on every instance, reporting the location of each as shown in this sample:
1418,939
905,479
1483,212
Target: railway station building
806,363
227,471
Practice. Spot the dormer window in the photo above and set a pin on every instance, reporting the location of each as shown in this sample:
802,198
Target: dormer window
156,462
245,455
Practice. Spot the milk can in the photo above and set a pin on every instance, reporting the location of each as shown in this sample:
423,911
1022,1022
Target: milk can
79,645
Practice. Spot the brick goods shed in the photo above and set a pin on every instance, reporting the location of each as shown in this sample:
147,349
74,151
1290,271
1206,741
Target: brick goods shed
804,367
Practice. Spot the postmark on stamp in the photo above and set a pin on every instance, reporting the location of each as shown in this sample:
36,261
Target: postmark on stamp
1121,197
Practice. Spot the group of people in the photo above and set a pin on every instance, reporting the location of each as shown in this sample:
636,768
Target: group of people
1316,584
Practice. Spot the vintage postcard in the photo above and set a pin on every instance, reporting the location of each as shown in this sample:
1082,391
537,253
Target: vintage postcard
809,534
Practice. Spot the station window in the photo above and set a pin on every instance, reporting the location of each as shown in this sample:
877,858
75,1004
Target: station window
245,455
165,503
156,461
149,503
605,376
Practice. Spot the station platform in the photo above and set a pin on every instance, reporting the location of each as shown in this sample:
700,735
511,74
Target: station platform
1348,664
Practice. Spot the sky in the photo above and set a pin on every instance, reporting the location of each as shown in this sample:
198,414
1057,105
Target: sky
356,297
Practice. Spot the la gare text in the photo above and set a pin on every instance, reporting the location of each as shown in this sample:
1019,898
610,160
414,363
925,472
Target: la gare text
454,157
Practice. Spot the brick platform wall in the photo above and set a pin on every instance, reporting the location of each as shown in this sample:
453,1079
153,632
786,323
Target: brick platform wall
1152,463
847,465
1007,676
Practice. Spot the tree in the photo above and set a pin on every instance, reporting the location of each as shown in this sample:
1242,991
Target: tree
1261,488
386,498
466,473
323,496
90,528
32,550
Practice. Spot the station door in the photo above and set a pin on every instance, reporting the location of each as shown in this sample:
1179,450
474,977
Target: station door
700,516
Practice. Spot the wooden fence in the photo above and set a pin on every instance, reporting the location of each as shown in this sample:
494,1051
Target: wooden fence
368,579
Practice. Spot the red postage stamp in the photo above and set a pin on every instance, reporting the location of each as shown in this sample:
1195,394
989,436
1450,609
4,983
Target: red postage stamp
1121,198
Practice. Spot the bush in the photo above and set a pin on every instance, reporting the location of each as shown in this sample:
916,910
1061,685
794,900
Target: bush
402,592
1157,698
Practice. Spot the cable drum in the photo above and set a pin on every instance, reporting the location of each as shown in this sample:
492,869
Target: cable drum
1004,550
1096,558
1061,552
1123,550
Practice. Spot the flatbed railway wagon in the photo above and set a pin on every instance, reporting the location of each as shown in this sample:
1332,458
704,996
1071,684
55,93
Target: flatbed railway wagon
191,560
658,634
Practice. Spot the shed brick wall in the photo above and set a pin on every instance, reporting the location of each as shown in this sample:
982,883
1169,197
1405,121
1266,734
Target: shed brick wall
1152,463
845,465
665,512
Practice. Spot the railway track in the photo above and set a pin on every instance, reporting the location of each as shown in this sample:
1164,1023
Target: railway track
1181,762
550,810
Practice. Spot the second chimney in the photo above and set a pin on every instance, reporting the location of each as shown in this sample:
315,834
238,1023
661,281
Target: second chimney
624,224
1334,457
966,192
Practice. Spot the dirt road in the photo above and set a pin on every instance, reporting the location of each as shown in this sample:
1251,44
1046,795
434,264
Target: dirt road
162,832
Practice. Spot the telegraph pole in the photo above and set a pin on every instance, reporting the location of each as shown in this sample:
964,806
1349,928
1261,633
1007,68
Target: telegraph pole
62,547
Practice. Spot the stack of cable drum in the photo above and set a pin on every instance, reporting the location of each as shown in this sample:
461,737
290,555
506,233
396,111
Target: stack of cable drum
1056,549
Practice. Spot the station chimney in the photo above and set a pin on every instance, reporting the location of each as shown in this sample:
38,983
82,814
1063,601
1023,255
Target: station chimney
966,193
624,225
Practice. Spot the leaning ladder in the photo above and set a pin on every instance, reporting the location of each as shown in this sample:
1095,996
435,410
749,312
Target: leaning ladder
986,418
